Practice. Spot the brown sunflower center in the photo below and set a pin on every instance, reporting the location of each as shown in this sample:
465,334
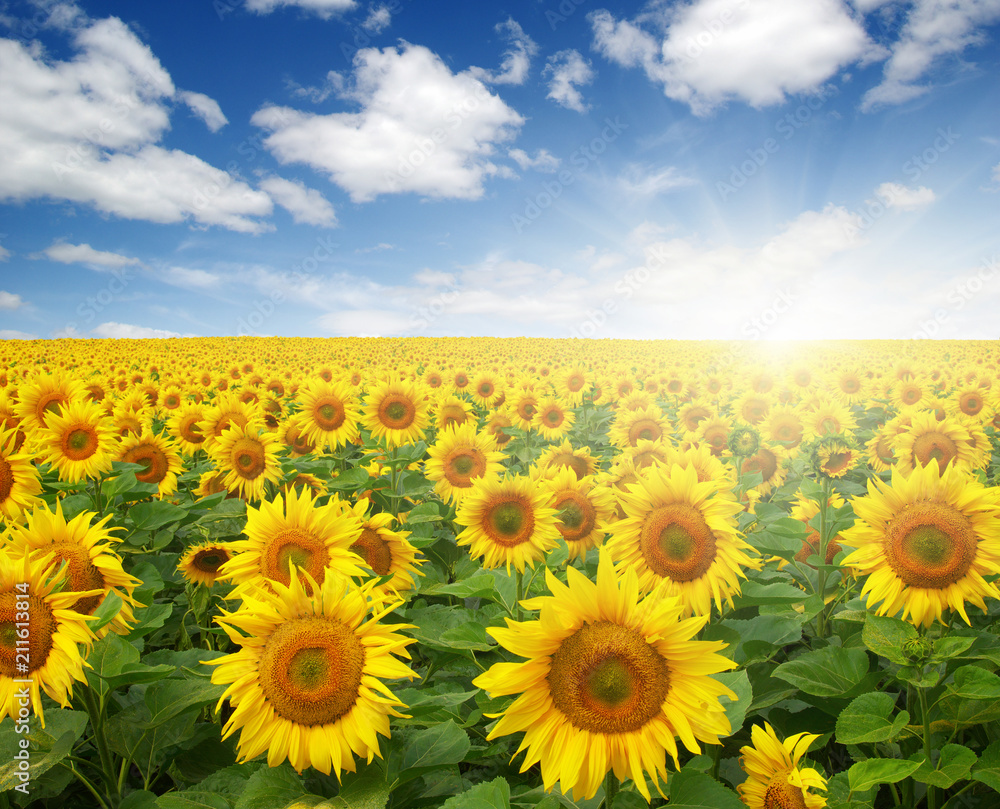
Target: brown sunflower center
151,457
644,429
35,639
884,451
764,461
82,574
6,480
509,522
782,795
248,458
375,551
576,514
606,678
971,404
310,670
397,412
297,547
677,542
329,414
554,417
80,443
462,465
210,560
934,446
189,429
228,420
930,545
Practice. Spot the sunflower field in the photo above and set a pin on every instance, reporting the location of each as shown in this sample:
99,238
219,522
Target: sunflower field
270,573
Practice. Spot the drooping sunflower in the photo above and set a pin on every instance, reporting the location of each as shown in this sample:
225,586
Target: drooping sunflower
769,460
19,481
451,411
59,639
396,411
78,441
329,413
553,419
247,459
507,521
292,530
926,542
609,682
926,440
91,562
774,778
683,532
458,458
200,563
306,684
583,510
158,455
833,456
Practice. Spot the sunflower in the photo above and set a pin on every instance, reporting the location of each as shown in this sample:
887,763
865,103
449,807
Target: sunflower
396,411
484,391
330,414
54,635
562,455
714,431
609,683
303,480
630,426
690,415
926,541
88,551
45,394
552,420
200,563
774,779
682,532
306,684
583,510
824,417
248,460
970,401
926,439
226,412
523,406
458,458
572,383
451,411
769,461
292,433
293,530
78,440
386,552
159,457
496,426
210,483
184,425
805,509
833,456
752,407
507,521
784,425
19,482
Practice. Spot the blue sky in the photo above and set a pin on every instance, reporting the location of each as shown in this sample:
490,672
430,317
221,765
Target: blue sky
733,169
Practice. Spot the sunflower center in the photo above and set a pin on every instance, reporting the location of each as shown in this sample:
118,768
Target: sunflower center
554,417
510,522
50,403
297,547
934,446
310,670
606,679
6,480
677,542
375,551
576,514
40,631
80,443
972,405
82,574
152,458
329,415
464,464
190,430
248,458
397,412
210,561
930,545
782,795
765,462
644,429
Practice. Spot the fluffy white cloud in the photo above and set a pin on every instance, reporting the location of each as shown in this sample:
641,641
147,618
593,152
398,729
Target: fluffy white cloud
378,19
87,128
566,70
85,254
14,334
899,196
933,29
648,181
322,8
189,279
717,50
421,128
9,301
306,205
129,331
516,59
543,160
206,108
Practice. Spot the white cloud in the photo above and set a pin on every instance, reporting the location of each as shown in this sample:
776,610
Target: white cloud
718,50
516,59
85,254
378,19
421,129
648,181
87,128
306,205
899,196
189,279
206,108
129,331
14,334
376,248
333,83
933,29
566,70
322,8
543,160
4,253
9,301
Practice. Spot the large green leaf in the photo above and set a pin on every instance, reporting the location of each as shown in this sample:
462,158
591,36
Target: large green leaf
150,516
736,710
886,637
953,764
694,790
987,769
169,698
271,787
437,746
829,672
493,794
866,720
871,772
972,682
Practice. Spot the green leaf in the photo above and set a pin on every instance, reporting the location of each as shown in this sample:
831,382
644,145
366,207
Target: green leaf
107,611
493,794
694,790
108,658
192,799
972,682
866,720
351,479
425,512
150,516
150,618
437,746
126,485
140,800
987,769
366,789
736,711
755,594
167,699
952,765
481,585
866,774
468,636
41,758
840,796
270,787
886,636
829,672
762,634
132,673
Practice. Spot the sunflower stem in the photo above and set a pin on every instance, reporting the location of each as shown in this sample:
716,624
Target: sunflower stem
610,789
821,622
519,578
83,780
101,742
926,716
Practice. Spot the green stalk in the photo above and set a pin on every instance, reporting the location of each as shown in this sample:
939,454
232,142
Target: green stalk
101,742
925,714
821,622
519,578
610,789
97,796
